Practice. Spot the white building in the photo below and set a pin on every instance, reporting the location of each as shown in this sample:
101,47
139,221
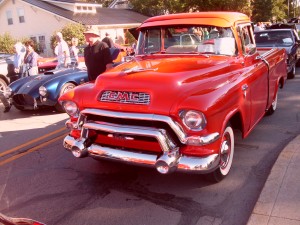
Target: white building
39,19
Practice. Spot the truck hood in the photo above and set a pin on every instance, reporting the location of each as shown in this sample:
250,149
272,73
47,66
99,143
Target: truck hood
165,80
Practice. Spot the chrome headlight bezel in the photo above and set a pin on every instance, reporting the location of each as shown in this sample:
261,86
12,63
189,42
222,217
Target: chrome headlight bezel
43,91
193,120
70,108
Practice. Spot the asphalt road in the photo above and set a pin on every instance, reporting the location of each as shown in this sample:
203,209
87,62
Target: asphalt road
42,181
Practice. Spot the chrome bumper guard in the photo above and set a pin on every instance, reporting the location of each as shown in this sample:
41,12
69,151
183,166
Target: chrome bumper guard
166,163
170,159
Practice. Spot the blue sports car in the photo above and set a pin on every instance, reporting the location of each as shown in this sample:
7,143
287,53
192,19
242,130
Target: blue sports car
38,91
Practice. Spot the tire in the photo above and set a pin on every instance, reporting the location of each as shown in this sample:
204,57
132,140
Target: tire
226,156
273,106
291,74
19,108
66,87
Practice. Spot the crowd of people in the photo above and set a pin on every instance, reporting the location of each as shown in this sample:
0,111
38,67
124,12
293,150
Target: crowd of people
97,56
24,63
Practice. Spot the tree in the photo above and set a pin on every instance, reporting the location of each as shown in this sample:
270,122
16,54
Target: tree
7,43
69,31
158,7
222,5
266,10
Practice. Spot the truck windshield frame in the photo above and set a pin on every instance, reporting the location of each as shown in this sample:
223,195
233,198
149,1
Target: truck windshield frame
187,39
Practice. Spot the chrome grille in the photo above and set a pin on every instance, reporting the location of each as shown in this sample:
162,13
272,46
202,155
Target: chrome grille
126,97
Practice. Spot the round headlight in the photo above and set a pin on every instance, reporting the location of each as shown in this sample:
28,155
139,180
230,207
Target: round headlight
193,120
70,108
43,91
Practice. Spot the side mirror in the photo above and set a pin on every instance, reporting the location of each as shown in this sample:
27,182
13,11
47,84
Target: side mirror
250,49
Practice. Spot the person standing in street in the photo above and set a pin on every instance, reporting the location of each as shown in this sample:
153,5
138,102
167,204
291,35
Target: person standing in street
258,27
74,50
108,41
62,51
97,55
19,55
31,58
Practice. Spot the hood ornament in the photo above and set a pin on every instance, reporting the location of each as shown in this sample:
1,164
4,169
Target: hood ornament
137,69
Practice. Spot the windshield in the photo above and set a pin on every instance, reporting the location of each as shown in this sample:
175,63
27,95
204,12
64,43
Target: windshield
278,38
186,40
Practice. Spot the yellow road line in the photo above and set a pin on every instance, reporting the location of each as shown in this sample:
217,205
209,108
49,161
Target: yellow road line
31,150
30,142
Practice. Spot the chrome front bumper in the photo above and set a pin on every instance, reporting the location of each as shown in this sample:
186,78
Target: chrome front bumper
169,159
168,162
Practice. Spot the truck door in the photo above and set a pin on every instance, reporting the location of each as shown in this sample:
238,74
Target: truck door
257,76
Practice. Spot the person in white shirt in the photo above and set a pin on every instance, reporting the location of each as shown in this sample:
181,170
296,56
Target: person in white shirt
258,27
19,55
74,50
62,51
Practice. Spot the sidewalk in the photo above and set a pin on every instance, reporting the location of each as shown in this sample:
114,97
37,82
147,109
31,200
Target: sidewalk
279,201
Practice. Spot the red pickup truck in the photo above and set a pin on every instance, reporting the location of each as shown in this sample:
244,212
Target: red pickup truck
175,104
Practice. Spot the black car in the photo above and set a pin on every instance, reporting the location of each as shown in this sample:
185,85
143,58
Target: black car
281,38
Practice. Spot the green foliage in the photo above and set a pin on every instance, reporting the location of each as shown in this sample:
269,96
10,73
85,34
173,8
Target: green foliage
129,37
7,43
267,10
69,31
158,7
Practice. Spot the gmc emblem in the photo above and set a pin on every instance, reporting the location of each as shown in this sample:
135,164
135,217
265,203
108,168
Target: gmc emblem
125,97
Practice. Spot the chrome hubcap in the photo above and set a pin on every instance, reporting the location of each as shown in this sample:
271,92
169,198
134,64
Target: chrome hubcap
225,153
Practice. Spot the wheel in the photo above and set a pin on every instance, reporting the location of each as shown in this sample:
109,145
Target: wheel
65,88
226,156
292,73
19,108
273,107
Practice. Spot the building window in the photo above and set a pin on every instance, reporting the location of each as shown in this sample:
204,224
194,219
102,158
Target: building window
21,15
34,39
9,17
42,44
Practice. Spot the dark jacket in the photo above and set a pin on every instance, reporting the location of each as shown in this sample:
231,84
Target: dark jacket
96,58
109,42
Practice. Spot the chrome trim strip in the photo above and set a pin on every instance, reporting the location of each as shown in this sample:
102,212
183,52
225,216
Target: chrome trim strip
182,136
160,135
202,140
140,116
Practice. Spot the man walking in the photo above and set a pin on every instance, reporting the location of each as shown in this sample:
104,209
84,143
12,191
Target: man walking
62,51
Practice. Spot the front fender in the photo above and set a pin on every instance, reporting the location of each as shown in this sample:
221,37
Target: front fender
55,85
16,85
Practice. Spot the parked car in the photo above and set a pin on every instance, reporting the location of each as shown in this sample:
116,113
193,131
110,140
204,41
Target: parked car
46,64
281,38
174,108
34,92
7,74
5,60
